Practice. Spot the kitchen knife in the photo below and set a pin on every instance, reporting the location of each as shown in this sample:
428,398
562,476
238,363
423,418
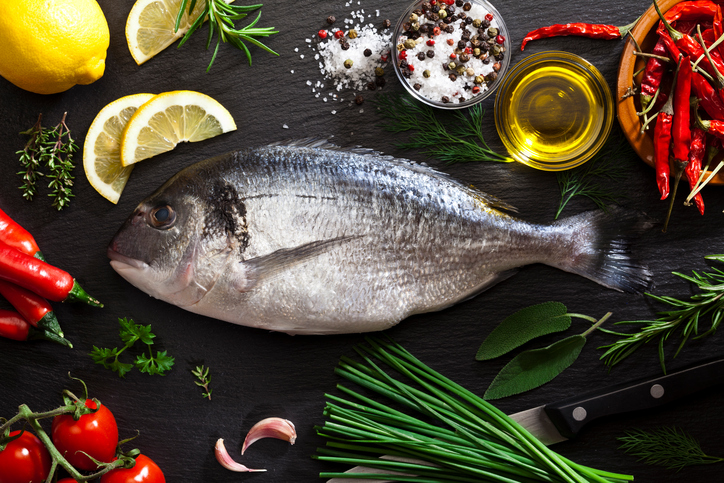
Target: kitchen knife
559,421
562,420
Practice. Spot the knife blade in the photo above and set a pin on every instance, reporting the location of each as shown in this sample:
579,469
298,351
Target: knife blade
562,420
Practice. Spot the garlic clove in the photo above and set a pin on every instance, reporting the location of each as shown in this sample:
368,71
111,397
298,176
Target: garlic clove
270,428
223,457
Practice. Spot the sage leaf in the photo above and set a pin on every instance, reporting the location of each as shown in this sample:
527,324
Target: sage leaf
533,368
523,326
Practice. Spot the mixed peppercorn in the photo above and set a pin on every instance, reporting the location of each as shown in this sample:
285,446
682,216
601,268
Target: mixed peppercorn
467,33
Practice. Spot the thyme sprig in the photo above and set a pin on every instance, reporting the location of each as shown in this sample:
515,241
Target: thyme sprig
202,374
52,149
596,179
460,141
221,17
666,446
685,317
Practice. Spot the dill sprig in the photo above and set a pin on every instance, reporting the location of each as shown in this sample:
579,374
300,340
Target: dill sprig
668,447
221,17
202,374
684,318
459,141
597,178
52,149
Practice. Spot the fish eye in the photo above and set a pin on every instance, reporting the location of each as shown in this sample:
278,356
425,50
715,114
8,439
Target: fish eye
162,217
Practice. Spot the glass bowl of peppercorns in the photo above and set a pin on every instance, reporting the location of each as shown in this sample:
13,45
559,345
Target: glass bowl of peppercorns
451,54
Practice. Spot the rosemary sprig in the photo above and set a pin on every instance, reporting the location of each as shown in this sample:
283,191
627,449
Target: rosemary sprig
202,374
457,142
684,318
221,17
596,179
668,447
52,149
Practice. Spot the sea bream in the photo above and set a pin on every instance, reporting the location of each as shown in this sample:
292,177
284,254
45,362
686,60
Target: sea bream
308,238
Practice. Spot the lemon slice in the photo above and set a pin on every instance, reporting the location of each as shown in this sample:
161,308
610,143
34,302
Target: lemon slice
170,118
150,26
101,150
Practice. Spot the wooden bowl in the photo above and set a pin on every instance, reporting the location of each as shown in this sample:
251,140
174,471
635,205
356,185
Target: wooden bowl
645,34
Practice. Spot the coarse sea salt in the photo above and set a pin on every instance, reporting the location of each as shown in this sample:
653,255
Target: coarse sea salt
440,84
363,67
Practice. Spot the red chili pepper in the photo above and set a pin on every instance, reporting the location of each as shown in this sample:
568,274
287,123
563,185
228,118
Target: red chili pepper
18,237
34,308
45,280
696,11
681,132
662,142
696,156
707,97
14,327
579,29
653,73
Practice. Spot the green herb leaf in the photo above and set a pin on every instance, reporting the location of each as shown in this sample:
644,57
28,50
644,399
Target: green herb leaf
203,380
531,369
131,332
668,447
461,140
523,326
108,358
155,365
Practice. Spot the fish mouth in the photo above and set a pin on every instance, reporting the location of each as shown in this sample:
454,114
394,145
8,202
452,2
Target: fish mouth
121,260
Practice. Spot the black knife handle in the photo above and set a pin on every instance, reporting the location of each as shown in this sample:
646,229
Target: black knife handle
570,415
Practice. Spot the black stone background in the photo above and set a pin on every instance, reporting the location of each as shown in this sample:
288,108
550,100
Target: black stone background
256,374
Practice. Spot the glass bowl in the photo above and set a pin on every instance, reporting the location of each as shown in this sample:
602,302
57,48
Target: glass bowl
553,111
488,73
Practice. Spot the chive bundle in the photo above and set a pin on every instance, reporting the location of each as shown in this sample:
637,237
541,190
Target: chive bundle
458,437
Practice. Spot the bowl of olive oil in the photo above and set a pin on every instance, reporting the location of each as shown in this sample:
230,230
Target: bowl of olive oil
553,111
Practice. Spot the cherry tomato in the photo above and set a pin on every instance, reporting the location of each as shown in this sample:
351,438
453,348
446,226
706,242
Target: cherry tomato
66,480
95,434
24,460
145,471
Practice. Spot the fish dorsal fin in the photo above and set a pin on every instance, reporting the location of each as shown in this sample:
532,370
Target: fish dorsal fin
324,143
251,271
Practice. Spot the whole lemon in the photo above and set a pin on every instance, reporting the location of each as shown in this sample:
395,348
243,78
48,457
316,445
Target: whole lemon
48,46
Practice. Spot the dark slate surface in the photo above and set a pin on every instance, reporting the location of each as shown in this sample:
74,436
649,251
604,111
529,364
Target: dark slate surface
258,374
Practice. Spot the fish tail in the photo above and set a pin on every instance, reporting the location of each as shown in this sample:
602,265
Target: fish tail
597,246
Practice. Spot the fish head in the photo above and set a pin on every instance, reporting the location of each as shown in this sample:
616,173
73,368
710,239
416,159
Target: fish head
181,239
156,247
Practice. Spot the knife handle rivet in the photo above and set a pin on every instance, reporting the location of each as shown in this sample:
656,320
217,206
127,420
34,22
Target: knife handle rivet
579,414
657,390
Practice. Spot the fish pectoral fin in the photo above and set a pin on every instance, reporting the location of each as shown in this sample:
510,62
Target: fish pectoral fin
249,272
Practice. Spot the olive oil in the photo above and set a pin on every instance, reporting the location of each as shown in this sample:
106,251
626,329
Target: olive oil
554,113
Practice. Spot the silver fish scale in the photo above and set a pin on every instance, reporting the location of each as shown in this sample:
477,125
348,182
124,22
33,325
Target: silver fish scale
418,241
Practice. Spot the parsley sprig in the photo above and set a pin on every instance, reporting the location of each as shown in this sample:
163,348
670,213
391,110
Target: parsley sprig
131,333
52,149
221,17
